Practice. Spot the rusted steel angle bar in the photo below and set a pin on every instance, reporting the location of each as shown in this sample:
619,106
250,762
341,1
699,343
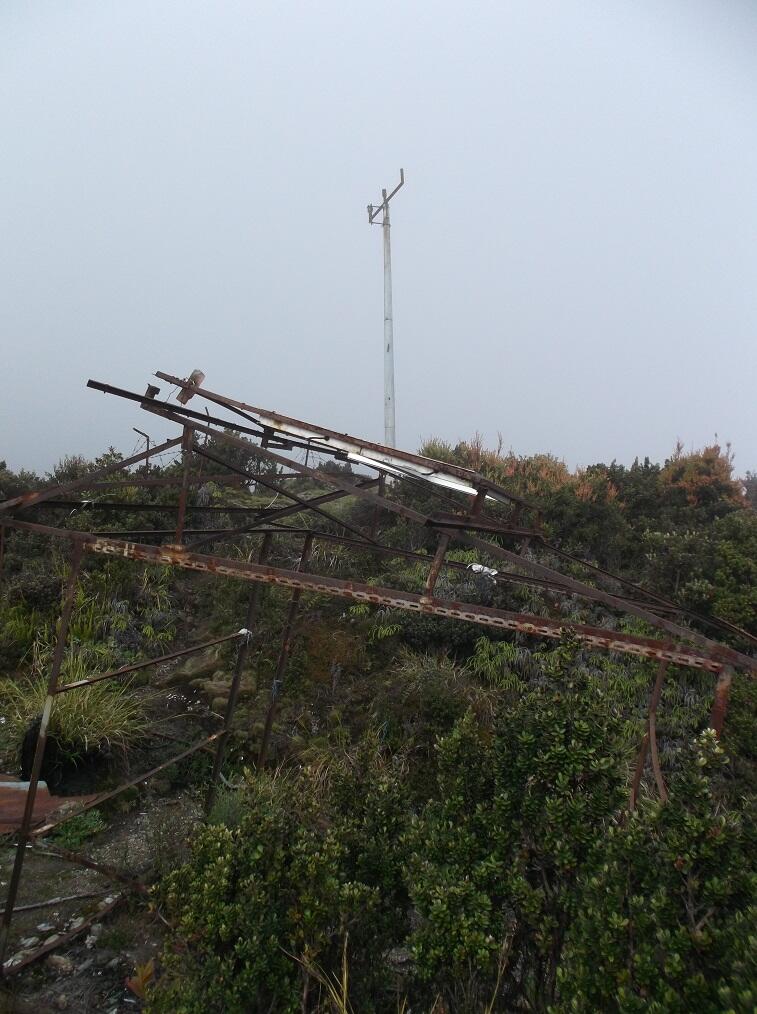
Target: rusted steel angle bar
344,441
539,626
319,475
102,797
484,615
197,480
535,625
269,484
271,516
182,410
145,533
262,433
540,570
218,534
480,524
105,869
147,663
27,499
712,621
12,968
58,901
500,577
598,595
157,508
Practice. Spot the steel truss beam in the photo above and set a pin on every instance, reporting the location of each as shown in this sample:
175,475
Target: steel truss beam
595,637
539,570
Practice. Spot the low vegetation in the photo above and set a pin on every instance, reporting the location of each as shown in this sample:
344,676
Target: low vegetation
444,823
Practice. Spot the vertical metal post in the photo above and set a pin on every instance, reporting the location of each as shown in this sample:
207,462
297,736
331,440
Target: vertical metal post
653,731
443,545
186,446
242,652
286,647
641,760
436,566
373,531
478,502
383,208
147,438
389,418
39,753
720,705
650,742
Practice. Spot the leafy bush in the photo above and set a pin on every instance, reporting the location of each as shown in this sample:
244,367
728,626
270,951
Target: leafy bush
495,860
309,861
668,919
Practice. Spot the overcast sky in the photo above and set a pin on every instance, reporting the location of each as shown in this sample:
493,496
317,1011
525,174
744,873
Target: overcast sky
183,185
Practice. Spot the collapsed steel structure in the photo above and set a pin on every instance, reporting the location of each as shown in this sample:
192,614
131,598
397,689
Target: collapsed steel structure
274,439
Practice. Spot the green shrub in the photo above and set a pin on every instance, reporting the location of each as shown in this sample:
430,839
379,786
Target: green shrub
309,861
668,915
494,861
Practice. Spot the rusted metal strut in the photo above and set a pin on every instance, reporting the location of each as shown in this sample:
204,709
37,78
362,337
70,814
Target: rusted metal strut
596,637
538,569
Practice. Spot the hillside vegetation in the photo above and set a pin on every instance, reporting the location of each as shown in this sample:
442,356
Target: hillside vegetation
443,823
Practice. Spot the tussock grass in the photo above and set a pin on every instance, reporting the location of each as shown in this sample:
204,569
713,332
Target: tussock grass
105,715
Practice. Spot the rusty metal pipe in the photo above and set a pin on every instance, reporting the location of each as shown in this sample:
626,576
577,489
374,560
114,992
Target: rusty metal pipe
28,499
39,752
720,704
242,653
653,731
102,797
286,647
144,665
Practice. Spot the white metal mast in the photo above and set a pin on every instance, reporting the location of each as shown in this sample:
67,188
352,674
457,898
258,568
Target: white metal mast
373,213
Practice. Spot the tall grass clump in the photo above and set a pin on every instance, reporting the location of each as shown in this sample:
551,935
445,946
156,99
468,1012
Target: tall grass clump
105,716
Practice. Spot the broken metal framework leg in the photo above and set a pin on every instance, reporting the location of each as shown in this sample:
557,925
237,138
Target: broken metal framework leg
720,705
23,835
436,565
653,731
186,455
286,647
641,761
375,519
244,647
650,742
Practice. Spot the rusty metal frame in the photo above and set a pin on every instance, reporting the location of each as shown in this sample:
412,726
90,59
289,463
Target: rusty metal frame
275,433
173,413
31,795
597,637
284,652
